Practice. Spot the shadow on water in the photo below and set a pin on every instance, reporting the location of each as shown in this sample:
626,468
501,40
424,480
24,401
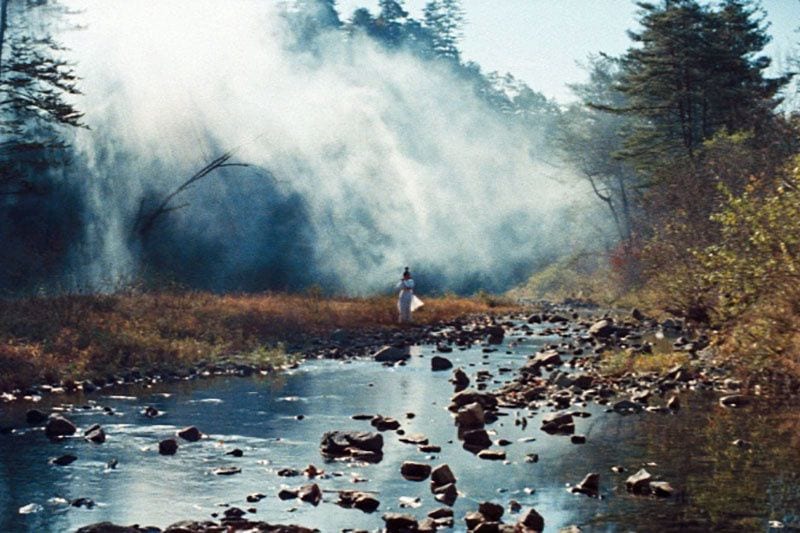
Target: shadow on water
720,486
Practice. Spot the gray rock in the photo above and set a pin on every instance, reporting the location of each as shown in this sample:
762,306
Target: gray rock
191,434
661,489
470,416
413,471
59,426
530,519
734,400
440,363
492,455
35,416
397,522
589,485
442,475
392,354
602,329
64,460
491,511
168,447
476,440
96,435
558,423
624,407
639,483
460,379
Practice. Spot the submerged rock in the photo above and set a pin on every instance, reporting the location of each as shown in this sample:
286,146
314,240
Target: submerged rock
64,460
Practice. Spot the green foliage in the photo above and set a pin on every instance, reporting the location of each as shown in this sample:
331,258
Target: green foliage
695,72
758,252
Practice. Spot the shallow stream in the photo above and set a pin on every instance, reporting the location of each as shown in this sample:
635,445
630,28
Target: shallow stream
720,486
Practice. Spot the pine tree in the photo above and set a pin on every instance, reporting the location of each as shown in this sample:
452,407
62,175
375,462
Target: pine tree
695,71
35,85
445,19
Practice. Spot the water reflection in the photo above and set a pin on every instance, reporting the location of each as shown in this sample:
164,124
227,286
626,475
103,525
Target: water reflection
721,486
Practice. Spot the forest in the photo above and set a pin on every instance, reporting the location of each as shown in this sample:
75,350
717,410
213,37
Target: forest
282,262
680,159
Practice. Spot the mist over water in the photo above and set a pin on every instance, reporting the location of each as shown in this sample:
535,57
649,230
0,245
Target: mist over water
361,160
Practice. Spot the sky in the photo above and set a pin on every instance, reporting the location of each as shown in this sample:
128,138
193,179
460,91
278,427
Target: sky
542,41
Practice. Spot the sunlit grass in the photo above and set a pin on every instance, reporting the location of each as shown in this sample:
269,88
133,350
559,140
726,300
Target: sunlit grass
95,336
620,362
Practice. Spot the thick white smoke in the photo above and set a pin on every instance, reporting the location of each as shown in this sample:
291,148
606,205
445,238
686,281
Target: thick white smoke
364,161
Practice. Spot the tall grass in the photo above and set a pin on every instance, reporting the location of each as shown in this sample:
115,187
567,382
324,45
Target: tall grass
49,339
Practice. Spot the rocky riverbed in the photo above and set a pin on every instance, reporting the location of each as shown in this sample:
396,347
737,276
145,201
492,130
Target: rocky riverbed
484,424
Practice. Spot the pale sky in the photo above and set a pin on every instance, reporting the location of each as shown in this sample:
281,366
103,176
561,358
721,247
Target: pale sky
540,41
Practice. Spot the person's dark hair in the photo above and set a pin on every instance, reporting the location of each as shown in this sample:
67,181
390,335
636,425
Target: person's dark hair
406,273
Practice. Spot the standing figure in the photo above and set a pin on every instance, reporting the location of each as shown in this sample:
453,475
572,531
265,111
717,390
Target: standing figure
406,299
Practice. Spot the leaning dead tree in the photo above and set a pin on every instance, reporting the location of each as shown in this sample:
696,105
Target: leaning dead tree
146,218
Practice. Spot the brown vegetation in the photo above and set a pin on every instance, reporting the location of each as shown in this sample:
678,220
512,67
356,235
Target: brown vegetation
92,336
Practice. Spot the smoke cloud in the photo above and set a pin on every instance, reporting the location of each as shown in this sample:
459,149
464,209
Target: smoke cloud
361,160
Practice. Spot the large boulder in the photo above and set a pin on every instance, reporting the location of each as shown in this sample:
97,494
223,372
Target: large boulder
440,363
470,416
476,440
397,522
168,447
35,416
392,354
531,520
359,445
589,485
442,475
460,379
353,499
486,400
491,511
414,471
603,328
558,423
496,334
639,483
59,426
547,357
191,433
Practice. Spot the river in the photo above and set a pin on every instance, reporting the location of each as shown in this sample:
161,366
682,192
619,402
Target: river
719,486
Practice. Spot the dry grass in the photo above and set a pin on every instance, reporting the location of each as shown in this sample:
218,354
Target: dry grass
76,337
618,363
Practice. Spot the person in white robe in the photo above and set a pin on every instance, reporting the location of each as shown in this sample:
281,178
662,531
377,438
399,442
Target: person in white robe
407,302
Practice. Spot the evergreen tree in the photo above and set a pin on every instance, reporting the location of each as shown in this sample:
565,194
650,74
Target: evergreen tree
35,85
696,71
445,19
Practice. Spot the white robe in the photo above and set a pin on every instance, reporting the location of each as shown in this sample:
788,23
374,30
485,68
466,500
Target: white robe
407,301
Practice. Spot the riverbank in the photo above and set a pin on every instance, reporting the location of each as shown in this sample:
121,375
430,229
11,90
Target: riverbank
534,407
60,341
